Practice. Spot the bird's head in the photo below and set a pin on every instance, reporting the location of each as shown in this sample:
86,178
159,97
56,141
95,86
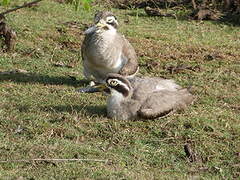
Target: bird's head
118,85
115,84
103,21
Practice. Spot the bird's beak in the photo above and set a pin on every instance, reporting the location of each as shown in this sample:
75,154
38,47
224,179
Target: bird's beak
94,89
100,87
101,25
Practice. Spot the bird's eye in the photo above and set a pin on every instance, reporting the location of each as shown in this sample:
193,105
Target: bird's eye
110,19
113,83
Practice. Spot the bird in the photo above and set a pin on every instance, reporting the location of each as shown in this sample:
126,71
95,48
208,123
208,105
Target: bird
143,97
104,50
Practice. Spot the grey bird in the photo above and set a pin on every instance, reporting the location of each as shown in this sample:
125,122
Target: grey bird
104,50
143,97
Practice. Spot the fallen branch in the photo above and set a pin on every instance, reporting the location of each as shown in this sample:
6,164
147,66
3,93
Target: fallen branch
19,7
56,160
157,12
15,71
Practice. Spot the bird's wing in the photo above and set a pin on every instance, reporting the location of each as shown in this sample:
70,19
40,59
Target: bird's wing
149,85
83,47
163,102
128,53
86,42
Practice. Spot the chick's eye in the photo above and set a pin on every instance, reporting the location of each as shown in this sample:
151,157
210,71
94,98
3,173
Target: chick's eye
113,83
110,19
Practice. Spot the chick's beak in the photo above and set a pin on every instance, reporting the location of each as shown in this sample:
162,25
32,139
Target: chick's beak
100,87
93,89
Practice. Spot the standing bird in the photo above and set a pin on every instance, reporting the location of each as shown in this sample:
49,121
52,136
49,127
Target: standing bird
104,50
146,97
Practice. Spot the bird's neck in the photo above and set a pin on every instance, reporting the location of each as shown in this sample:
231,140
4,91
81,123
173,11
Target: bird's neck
115,106
106,36
116,98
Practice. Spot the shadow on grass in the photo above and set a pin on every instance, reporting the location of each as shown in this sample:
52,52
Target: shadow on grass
72,109
42,79
230,19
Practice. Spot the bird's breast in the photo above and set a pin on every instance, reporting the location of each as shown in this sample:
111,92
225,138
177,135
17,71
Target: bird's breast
106,54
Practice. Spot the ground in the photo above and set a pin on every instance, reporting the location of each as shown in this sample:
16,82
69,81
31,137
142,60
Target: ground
41,115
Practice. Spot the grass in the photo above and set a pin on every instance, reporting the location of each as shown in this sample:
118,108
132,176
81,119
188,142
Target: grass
41,115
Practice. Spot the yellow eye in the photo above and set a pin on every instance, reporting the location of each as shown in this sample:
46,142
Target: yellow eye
113,83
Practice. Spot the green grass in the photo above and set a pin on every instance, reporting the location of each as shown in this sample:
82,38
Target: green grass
41,115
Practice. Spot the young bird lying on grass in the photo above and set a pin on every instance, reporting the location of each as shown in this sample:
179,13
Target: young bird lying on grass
145,97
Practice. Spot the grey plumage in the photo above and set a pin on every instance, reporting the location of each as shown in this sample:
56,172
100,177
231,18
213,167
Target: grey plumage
105,51
146,98
110,58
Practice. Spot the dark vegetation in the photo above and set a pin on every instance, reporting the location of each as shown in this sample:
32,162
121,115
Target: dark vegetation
226,10
222,10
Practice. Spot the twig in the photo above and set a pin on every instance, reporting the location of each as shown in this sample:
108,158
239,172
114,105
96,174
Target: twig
217,76
58,160
189,153
194,4
19,7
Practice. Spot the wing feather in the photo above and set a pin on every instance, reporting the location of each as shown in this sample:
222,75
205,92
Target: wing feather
163,102
128,52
